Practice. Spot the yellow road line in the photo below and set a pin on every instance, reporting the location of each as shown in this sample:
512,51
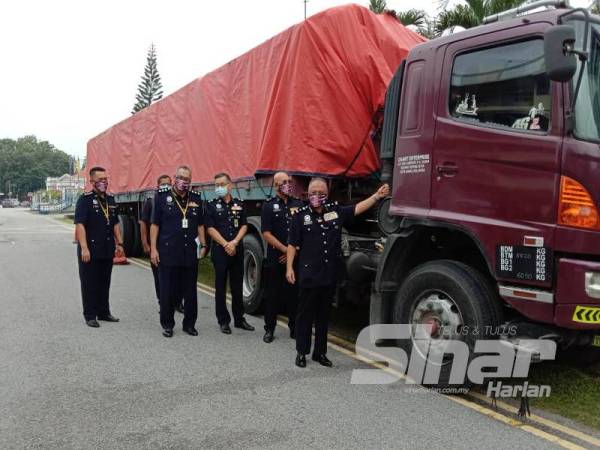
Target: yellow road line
343,346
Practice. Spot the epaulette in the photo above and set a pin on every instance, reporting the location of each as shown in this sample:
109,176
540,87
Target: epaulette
304,208
270,199
88,193
163,190
330,204
196,193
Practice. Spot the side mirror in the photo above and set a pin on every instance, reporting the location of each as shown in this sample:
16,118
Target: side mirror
561,63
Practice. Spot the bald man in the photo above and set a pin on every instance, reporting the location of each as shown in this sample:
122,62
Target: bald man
276,217
315,238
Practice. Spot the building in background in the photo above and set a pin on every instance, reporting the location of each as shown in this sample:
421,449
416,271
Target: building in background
65,182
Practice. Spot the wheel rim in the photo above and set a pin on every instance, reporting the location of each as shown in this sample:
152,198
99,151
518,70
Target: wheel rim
250,274
435,321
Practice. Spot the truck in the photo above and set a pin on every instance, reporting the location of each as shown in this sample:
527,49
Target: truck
489,138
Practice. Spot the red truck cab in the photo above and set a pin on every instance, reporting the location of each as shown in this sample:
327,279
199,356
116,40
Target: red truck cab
496,180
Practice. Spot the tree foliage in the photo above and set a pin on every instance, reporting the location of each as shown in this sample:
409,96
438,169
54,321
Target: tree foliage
150,88
378,6
26,163
471,13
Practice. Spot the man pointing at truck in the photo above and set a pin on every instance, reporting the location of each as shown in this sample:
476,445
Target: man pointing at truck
316,236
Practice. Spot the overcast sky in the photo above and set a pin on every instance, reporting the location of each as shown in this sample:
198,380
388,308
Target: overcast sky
70,69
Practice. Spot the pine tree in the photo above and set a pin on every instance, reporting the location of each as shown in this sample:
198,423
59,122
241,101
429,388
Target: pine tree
150,88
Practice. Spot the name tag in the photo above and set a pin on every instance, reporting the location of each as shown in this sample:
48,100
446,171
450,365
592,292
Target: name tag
184,223
330,216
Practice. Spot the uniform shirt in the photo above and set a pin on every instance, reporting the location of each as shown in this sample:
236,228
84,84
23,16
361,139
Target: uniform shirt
319,237
176,245
90,211
227,219
276,217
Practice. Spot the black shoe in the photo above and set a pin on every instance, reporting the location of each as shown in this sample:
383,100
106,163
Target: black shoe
179,309
225,328
292,333
191,331
167,332
323,360
300,360
108,318
244,325
268,338
92,323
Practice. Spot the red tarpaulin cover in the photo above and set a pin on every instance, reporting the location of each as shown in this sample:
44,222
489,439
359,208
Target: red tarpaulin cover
302,101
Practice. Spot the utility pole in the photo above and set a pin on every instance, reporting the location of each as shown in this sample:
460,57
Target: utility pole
305,2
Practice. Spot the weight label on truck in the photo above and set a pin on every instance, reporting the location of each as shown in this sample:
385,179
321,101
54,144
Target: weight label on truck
413,163
524,263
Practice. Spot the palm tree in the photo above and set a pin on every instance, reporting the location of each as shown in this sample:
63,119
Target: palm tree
414,17
471,13
378,6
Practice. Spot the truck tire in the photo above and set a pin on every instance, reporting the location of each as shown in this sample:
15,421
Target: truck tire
252,279
459,304
126,233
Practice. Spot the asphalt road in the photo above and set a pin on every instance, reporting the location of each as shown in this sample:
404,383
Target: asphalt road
64,385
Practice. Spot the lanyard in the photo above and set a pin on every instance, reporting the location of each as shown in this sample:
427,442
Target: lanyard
104,211
183,211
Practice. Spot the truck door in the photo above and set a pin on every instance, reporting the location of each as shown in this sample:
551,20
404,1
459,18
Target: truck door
412,166
497,144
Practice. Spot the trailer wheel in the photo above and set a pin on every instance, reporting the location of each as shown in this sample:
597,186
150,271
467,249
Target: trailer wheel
252,285
455,302
126,233
137,238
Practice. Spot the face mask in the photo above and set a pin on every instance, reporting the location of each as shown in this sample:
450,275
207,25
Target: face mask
101,186
182,185
164,186
285,189
221,191
317,200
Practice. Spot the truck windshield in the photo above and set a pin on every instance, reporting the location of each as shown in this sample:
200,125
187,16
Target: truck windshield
587,107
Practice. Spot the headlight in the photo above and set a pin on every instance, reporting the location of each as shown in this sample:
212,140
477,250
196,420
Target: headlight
592,284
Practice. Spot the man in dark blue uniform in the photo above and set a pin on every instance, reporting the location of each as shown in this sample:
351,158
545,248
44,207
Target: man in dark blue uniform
226,225
177,221
98,236
316,236
275,221
164,181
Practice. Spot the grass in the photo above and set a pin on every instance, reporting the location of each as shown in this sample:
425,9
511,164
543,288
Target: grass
575,391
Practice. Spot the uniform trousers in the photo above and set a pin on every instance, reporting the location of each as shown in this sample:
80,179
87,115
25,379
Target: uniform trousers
95,286
176,281
280,295
314,305
157,286
232,266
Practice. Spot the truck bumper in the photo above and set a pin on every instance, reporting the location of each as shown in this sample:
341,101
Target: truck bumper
577,301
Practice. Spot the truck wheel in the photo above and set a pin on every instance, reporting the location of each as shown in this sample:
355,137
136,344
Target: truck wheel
126,233
456,303
252,286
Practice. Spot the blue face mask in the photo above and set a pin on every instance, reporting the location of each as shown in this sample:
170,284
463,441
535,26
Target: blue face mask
221,191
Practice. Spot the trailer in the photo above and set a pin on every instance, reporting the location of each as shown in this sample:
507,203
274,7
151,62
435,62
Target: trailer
488,136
